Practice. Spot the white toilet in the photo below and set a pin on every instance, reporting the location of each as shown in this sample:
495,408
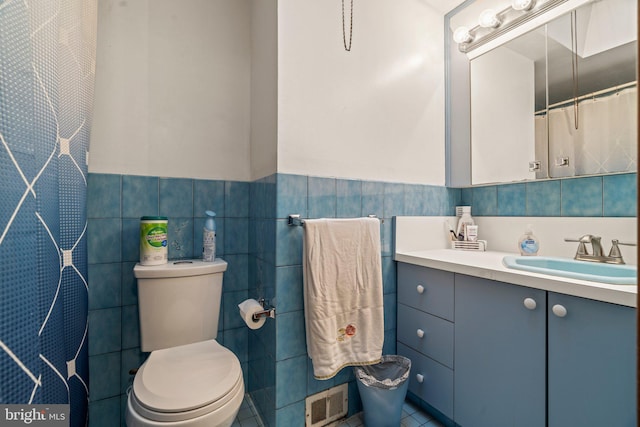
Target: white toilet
189,380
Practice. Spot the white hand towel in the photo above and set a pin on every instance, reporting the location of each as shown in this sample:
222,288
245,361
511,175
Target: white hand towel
343,299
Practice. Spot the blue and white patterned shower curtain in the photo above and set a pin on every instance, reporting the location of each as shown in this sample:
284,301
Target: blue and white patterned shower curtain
47,67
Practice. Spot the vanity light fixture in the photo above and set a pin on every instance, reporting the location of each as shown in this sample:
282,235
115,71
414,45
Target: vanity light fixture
522,4
462,35
488,19
519,17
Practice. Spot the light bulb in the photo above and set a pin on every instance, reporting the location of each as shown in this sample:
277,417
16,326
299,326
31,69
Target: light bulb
488,19
522,4
462,35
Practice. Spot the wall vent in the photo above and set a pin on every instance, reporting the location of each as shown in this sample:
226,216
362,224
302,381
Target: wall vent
325,407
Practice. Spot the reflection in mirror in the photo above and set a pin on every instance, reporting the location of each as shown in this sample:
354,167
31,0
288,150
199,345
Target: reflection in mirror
504,84
587,73
604,138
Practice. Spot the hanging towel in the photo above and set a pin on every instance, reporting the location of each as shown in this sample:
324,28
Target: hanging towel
343,302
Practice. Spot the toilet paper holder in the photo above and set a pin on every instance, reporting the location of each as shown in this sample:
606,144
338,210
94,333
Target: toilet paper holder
267,312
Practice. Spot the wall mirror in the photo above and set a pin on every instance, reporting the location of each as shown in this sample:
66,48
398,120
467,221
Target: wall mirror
558,100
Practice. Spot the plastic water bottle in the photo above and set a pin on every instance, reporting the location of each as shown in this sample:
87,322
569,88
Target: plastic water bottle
209,237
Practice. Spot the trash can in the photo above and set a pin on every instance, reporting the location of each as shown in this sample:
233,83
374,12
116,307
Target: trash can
382,388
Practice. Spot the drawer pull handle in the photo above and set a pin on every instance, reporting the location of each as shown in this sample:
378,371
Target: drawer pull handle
420,289
530,303
419,378
559,310
420,333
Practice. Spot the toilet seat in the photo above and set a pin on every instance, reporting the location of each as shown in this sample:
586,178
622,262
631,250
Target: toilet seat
185,382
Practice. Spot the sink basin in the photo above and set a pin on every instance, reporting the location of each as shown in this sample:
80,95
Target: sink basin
593,271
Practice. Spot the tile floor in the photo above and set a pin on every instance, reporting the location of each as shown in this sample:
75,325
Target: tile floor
248,415
412,416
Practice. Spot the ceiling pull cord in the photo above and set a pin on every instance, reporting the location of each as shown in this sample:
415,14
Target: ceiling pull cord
344,35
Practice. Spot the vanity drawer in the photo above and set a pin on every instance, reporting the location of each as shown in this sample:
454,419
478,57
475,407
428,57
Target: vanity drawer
428,334
426,289
436,387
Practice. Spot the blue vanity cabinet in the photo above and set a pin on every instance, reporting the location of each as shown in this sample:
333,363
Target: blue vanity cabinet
591,363
500,354
493,354
425,334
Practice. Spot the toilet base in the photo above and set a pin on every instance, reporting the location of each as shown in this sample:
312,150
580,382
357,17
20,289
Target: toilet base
221,417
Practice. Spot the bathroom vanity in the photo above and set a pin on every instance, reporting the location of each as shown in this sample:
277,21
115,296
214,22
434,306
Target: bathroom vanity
493,347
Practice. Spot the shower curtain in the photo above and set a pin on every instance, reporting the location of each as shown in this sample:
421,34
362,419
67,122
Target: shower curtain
47,63
605,141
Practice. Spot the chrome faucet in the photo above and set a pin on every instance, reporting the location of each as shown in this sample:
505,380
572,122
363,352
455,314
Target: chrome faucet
582,254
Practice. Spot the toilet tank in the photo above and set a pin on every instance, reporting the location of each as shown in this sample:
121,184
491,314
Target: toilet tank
178,302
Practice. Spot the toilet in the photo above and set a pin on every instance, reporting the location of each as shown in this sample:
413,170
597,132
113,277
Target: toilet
189,380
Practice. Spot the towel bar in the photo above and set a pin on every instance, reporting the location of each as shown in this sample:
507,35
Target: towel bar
294,219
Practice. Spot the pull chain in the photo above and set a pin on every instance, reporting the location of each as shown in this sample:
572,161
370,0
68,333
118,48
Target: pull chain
574,65
344,35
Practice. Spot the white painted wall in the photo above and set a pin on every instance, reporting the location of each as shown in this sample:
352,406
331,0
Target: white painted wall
173,89
376,112
419,233
221,89
264,88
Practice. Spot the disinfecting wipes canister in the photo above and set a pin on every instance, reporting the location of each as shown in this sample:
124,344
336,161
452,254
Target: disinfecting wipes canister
153,240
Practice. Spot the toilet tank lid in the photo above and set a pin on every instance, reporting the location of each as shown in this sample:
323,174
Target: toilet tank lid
179,268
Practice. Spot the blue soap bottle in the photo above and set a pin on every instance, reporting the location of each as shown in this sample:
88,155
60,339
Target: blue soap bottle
528,243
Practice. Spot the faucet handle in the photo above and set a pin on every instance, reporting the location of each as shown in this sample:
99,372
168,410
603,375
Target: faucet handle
617,242
587,238
615,250
582,248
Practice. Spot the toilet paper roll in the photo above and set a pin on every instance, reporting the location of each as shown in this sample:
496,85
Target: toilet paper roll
247,310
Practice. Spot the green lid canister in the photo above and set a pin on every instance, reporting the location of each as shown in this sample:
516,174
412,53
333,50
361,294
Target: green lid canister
153,240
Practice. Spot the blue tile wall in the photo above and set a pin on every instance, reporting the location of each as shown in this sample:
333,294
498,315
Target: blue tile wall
543,198
140,196
581,197
373,198
512,200
593,196
348,198
265,260
315,197
321,197
115,204
619,195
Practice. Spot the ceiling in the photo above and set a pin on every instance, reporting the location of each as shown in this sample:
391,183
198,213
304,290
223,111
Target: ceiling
443,6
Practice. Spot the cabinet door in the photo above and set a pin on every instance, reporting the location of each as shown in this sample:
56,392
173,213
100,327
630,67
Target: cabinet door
592,372
500,354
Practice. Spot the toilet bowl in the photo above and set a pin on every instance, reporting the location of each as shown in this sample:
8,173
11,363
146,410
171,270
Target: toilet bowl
193,385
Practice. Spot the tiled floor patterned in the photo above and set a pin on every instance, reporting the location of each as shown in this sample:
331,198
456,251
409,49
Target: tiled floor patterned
412,416
248,415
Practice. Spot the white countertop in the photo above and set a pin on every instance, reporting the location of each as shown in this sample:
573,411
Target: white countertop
489,265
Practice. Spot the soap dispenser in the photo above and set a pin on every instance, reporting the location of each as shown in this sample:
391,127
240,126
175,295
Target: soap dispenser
209,237
528,243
